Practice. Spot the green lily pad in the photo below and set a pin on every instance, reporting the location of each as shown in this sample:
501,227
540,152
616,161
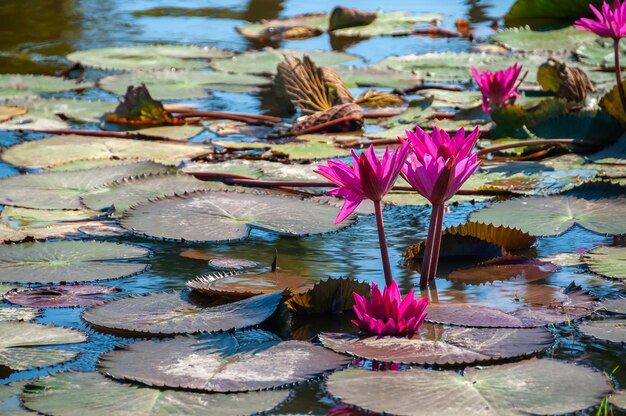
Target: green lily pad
554,215
265,61
528,387
26,216
66,108
600,54
309,147
388,24
615,154
169,314
19,337
526,39
612,330
10,404
224,216
244,361
178,85
75,394
376,77
18,314
89,164
62,190
316,23
540,12
58,150
247,168
68,261
17,85
607,261
8,234
175,133
132,58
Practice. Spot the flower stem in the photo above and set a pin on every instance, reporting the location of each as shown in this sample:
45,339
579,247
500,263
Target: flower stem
433,245
382,241
618,75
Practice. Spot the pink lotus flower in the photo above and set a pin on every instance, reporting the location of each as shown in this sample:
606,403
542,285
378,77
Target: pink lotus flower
611,23
388,313
369,177
499,88
439,164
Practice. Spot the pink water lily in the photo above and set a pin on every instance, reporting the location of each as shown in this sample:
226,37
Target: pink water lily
609,23
498,89
388,313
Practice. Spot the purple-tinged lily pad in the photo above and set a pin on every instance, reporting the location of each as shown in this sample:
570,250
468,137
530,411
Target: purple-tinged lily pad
60,296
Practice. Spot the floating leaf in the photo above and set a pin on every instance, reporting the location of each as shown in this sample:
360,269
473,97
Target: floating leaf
553,215
245,361
169,314
436,345
298,27
148,57
612,104
68,261
247,285
331,295
73,393
615,305
18,338
224,263
504,268
237,167
26,216
9,234
17,85
8,112
526,39
612,330
607,261
223,216
56,150
10,401
178,85
528,387
64,108
540,12
139,108
387,24
60,296
376,77
308,147
342,17
175,133
265,61
18,314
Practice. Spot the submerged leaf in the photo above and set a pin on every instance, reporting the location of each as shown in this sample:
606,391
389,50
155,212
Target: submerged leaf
18,314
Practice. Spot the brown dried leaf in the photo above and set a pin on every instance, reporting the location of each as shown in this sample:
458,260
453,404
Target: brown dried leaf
139,108
379,99
340,118
342,17
304,84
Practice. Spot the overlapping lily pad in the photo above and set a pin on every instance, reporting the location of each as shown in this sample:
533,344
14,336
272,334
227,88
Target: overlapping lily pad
25,216
615,305
178,85
528,387
387,24
10,313
19,338
223,216
607,261
9,234
64,108
438,345
60,296
170,313
553,215
612,330
148,57
73,393
17,85
245,361
68,261
245,285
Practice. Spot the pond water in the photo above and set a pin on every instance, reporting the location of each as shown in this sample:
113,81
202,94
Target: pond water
35,37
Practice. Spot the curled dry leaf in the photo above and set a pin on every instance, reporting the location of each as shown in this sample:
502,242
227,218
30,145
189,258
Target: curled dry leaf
139,108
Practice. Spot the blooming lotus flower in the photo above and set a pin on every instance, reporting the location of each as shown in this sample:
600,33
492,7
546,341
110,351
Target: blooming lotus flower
439,164
369,177
610,23
499,88
388,313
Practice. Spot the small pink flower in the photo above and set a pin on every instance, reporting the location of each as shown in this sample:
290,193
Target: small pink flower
499,88
369,177
388,313
611,23
438,164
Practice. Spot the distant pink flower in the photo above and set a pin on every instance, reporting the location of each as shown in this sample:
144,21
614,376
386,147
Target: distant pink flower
499,88
439,164
388,313
611,23
369,177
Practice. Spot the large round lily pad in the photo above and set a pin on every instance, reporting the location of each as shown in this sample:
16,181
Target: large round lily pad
526,39
68,261
62,190
528,387
223,216
57,150
438,345
249,360
76,394
19,337
178,85
17,85
607,261
553,215
60,296
612,330
148,57
169,313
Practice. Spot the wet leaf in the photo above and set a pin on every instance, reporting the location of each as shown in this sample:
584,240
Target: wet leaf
19,338
504,268
387,24
18,314
68,261
607,261
611,330
308,147
139,108
600,55
131,58
73,394
540,12
224,216
612,104
16,85
528,387
178,85
526,39
438,345
591,126
60,296
554,215
615,305
330,295
169,313
245,361
27,216
57,150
